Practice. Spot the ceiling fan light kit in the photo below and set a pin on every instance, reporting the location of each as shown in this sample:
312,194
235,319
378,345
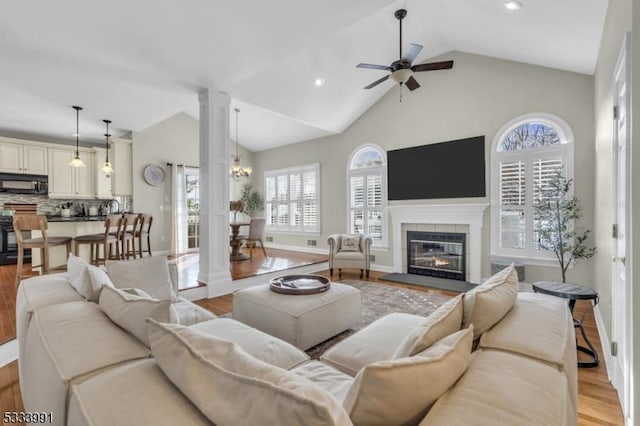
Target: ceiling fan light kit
401,71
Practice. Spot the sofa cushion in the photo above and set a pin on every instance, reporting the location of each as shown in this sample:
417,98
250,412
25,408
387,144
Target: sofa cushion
99,277
328,378
503,389
228,384
486,304
446,320
259,345
128,309
137,393
188,313
400,392
150,274
376,342
541,327
79,277
349,242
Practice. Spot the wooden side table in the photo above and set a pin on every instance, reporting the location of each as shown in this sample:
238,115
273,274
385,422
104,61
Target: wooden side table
573,292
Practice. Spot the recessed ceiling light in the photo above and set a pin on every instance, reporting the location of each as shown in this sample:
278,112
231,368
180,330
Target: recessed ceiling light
319,82
513,5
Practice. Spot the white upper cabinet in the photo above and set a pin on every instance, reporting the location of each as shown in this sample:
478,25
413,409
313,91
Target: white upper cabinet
66,181
23,158
103,182
121,159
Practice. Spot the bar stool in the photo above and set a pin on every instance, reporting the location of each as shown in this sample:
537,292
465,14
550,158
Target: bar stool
23,223
113,226
128,237
145,229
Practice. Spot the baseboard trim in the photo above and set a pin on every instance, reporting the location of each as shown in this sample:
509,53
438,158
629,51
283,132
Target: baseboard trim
382,268
303,249
605,343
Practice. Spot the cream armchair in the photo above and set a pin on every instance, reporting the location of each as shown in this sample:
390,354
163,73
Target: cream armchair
349,251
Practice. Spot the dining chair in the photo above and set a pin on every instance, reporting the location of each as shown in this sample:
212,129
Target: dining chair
256,233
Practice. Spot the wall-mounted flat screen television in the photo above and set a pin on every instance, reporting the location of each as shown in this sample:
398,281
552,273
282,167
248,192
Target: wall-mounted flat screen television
454,169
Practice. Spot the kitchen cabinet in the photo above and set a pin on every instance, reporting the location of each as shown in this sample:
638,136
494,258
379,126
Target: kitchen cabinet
121,159
23,158
66,181
102,181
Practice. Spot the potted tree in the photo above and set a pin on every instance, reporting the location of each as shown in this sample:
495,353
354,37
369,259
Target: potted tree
556,211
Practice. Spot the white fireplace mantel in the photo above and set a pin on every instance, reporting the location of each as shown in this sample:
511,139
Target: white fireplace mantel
454,214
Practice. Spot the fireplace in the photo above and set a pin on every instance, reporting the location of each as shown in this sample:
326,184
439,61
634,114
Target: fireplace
438,254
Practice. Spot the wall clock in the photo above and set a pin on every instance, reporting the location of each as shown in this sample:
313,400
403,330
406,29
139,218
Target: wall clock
154,174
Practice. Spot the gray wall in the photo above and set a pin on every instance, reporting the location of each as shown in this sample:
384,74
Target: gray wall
477,97
173,140
618,22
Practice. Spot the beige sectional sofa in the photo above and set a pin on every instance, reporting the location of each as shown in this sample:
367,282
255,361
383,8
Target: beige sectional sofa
79,365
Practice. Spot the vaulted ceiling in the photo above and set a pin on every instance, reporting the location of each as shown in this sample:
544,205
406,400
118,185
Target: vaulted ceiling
139,62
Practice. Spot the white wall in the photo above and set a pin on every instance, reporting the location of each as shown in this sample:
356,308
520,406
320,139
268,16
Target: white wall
477,97
174,140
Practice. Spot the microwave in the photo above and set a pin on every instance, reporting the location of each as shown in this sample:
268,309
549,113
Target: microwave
24,184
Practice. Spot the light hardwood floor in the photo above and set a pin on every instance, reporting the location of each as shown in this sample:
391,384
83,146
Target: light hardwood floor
597,400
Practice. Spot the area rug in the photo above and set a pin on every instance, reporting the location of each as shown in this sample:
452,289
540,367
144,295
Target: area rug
379,300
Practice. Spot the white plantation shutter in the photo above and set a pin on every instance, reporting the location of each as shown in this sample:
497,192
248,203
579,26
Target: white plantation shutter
520,171
367,196
291,199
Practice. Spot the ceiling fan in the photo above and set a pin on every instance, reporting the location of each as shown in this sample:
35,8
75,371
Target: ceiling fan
402,70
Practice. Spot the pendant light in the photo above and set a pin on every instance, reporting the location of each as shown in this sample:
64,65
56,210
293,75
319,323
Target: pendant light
107,168
237,171
77,162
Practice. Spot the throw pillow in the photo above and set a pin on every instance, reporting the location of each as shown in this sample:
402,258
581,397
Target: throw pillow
446,320
150,274
488,303
400,392
128,308
228,384
349,243
99,277
78,272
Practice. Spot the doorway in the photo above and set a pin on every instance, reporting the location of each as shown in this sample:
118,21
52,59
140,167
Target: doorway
621,278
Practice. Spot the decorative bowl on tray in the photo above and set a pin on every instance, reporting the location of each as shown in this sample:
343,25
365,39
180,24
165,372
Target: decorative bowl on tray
299,284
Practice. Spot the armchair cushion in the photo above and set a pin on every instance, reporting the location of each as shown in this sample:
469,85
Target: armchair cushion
349,242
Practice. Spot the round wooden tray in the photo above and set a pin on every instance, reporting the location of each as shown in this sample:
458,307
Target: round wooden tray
299,284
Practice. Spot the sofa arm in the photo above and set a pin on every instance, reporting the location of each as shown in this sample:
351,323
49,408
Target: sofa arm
366,249
334,242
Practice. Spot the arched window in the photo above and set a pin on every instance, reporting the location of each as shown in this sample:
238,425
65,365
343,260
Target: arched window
527,153
367,177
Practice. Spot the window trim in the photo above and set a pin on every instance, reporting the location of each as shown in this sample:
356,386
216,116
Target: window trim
564,149
384,242
280,229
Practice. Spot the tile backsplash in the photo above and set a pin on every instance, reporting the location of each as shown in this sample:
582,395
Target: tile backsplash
48,205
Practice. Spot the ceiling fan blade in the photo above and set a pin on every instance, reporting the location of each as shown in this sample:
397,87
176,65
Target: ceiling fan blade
375,83
433,66
412,52
412,84
374,67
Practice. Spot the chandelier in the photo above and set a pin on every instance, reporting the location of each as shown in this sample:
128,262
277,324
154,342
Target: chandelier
77,162
237,171
107,168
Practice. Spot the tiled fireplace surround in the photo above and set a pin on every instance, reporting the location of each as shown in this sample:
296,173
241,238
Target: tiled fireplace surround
463,218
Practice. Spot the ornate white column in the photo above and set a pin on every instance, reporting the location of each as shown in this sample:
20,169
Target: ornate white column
214,192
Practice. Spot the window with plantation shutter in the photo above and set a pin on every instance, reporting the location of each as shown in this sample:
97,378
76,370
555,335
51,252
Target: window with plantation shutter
291,199
528,152
367,194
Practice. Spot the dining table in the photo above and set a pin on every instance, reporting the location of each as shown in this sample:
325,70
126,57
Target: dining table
235,242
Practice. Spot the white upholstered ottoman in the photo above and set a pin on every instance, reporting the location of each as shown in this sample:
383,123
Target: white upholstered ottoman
302,320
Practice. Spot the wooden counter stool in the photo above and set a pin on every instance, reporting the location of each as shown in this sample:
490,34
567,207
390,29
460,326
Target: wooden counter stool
113,226
145,229
31,222
128,237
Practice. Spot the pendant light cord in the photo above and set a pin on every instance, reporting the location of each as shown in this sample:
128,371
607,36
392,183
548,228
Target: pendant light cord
237,142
